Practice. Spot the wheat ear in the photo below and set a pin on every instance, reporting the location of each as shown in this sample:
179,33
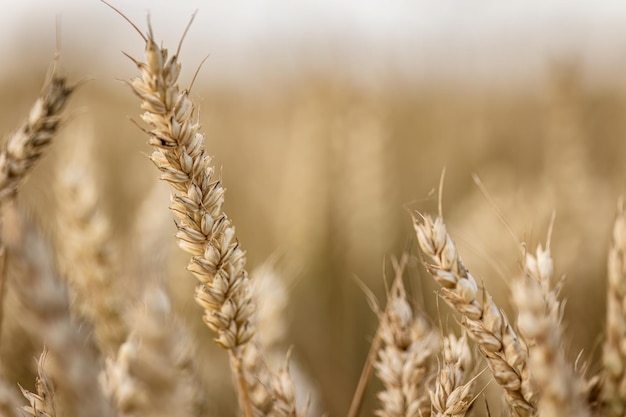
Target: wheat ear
614,355
540,316
272,393
505,353
149,375
25,146
42,403
72,363
84,247
204,230
453,393
405,362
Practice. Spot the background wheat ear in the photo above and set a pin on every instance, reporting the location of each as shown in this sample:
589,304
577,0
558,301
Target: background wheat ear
72,364
454,392
153,371
540,321
405,363
25,146
41,403
85,247
614,356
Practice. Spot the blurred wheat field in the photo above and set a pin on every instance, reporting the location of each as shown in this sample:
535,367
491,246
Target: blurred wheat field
320,172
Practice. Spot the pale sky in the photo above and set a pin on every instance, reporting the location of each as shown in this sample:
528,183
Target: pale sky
416,36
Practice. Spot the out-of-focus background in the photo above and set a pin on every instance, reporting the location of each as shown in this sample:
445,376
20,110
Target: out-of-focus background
330,120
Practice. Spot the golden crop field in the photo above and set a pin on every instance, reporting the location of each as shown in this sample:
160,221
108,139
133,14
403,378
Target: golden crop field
312,234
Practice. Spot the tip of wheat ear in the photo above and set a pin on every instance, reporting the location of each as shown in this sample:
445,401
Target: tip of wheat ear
25,146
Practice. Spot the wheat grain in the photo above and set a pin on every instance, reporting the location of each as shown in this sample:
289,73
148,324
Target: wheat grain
506,355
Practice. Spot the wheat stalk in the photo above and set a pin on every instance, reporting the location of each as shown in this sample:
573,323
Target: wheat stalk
505,353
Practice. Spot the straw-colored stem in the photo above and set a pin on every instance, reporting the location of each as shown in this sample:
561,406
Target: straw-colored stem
242,389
